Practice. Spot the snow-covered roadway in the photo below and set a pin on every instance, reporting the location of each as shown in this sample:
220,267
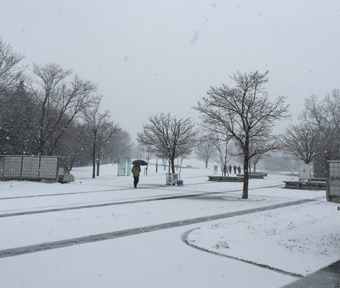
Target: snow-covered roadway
158,258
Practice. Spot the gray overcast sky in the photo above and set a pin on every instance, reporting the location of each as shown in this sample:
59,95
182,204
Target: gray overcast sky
150,56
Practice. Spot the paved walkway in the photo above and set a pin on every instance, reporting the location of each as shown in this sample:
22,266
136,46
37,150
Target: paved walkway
117,234
328,277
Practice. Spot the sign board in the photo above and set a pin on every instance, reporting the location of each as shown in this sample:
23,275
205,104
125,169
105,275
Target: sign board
175,178
124,166
172,178
168,178
333,181
304,172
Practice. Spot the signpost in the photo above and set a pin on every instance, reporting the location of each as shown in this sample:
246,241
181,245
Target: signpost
124,166
304,172
333,181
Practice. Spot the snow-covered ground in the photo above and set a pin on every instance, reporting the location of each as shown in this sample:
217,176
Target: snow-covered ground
230,252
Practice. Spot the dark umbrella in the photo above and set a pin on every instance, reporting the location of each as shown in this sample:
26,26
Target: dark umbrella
139,163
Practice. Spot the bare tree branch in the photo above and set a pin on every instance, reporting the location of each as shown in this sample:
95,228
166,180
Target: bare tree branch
245,112
168,137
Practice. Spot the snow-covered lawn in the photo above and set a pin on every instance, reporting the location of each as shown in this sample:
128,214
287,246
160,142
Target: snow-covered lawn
297,239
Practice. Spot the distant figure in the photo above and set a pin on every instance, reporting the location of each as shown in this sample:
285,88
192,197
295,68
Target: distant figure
239,170
224,170
235,169
135,173
230,168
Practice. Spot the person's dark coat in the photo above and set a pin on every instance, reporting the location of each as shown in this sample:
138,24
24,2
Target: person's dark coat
135,170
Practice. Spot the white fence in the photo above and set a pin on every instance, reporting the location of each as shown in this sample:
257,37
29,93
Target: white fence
29,168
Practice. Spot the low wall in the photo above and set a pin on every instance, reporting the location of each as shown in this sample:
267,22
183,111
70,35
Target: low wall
310,185
254,175
16,167
225,179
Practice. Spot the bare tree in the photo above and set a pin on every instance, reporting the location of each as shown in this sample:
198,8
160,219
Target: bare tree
147,152
16,107
323,116
73,146
246,112
119,145
223,147
168,137
12,133
164,163
59,102
254,160
100,131
10,72
302,141
206,148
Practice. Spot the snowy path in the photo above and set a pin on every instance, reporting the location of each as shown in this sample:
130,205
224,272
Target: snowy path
110,219
118,234
76,206
156,259
53,223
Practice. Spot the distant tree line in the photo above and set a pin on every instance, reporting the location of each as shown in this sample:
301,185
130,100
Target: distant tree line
52,111
316,138
242,115
49,110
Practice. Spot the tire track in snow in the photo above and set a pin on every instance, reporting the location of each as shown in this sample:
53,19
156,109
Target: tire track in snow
144,186
170,197
140,230
98,191
94,191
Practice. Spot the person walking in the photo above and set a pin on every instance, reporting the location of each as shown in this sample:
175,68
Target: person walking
135,173
235,168
239,170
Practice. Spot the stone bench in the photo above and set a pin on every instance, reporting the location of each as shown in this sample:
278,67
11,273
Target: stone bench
254,175
319,179
309,185
225,179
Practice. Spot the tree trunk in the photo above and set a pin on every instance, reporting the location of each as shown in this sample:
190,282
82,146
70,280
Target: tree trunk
98,160
246,178
73,157
173,165
94,161
98,165
206,164
245,169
